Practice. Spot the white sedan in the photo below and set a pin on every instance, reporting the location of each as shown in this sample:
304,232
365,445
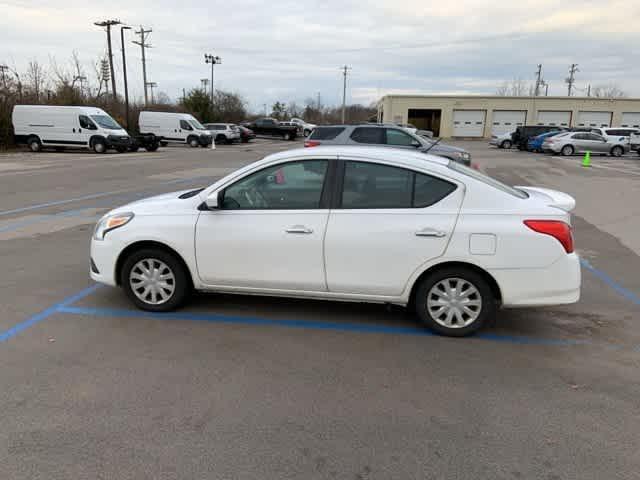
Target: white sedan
349,223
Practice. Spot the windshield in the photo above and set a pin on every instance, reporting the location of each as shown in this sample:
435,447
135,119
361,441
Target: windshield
105,121
470,172
196,124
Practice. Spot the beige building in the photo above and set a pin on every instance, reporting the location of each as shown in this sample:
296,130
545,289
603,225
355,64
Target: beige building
468,116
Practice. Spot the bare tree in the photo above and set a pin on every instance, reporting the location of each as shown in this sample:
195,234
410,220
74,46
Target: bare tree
36,78
515,88
162,99
610,90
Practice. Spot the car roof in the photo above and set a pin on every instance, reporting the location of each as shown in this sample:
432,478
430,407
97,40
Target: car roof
416,159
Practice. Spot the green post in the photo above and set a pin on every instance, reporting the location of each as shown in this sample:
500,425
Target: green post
586,161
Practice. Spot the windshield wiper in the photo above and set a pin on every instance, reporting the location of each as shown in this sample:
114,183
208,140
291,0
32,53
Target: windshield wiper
432,145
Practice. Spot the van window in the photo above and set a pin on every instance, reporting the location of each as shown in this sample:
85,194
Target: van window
105,121
185,125
86,123
196,124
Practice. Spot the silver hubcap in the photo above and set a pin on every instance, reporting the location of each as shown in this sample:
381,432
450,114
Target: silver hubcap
99,147
152,281
35,146
454,303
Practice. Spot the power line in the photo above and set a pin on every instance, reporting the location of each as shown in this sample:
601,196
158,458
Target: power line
344,69
108,24
144,34
571,79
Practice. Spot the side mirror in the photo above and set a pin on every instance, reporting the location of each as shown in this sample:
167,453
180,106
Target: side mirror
214,200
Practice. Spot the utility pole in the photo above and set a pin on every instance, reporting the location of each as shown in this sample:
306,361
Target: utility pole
213,60
108,24
80,79
571,79
589,90
144,45
538,79
124,73
265,109
546,87
152,85
344,69
203,83
319,107
4,69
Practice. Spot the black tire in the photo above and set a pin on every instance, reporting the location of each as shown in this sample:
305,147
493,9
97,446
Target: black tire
567,150
152,148
164,144
34,143
506,144
121,149
220,139
99,146
286,136
182,285
487,308
245,140
617,151
193,142
134,148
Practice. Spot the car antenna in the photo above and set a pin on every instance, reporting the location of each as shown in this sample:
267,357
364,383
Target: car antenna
432,145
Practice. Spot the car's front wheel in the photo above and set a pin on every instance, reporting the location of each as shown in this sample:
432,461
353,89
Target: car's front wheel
155,280
506,144
455,301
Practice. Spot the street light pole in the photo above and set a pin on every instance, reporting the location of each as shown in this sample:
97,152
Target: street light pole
213,60
124,72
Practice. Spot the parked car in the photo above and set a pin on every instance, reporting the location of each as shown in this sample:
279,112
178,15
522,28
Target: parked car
223,132
425,133
522,134
303,127
353,223
408,127
384,135
502,141
175,128
568,143
272,127
535,143
616,132
42,126
246,134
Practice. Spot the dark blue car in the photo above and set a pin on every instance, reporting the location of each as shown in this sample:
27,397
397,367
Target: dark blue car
535,143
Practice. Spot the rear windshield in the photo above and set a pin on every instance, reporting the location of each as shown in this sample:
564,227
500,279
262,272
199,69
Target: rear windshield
470,172
326,133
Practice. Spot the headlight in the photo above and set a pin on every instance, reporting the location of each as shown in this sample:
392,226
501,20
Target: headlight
465,155
111,222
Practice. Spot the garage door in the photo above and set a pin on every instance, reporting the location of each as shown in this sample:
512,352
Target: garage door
555,118
594,119
505,121
630,119
468,123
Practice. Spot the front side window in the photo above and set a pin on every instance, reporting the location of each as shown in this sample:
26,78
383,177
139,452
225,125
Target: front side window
105,121
85,122
289,186
593,136
399,138
185,125
376,186
369,135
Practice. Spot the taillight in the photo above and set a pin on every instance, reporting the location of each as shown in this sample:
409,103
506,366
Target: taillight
311,143
557,229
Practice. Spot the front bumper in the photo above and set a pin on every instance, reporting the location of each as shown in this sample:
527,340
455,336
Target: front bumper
114,141
104,257
205,140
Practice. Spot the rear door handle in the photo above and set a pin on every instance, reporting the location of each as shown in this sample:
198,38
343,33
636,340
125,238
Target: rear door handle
430,232
299,229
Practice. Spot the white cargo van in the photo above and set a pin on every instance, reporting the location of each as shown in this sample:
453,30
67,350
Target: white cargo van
175,128
40,126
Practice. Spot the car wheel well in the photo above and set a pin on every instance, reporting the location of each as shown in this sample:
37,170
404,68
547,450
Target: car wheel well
495,289
134,247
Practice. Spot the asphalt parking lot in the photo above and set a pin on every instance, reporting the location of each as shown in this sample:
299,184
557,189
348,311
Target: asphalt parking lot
256,388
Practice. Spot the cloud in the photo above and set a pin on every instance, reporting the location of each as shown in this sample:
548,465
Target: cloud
290,50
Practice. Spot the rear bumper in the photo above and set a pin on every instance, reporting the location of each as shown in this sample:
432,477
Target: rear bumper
558,284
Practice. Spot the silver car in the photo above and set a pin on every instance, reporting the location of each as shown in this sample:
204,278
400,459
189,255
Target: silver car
384,136
580,142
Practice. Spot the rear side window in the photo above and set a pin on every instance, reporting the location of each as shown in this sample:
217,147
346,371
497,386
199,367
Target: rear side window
481,177
369,135
375,186
326,133
398,137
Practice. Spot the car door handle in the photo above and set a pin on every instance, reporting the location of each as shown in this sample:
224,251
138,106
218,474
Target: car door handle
299,229
429,232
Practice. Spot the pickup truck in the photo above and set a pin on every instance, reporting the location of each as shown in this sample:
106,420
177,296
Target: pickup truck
271,127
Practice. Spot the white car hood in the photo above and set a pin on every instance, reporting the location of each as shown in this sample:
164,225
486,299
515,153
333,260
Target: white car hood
165,204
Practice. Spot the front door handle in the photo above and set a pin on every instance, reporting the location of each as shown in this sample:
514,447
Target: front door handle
430,232
299,229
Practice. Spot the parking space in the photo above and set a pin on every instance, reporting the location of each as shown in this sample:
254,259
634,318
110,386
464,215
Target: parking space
281,388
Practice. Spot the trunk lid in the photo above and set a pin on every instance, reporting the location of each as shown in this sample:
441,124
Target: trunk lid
553,198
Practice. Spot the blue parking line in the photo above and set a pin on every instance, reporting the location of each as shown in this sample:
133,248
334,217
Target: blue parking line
628,294
38,317
307,324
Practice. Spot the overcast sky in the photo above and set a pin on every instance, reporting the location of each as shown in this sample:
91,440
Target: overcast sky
291,50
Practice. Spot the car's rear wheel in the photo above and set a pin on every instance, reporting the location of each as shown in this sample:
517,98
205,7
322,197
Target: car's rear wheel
567,150
455,301
34,144
506,144
617,151
220,139
155,280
